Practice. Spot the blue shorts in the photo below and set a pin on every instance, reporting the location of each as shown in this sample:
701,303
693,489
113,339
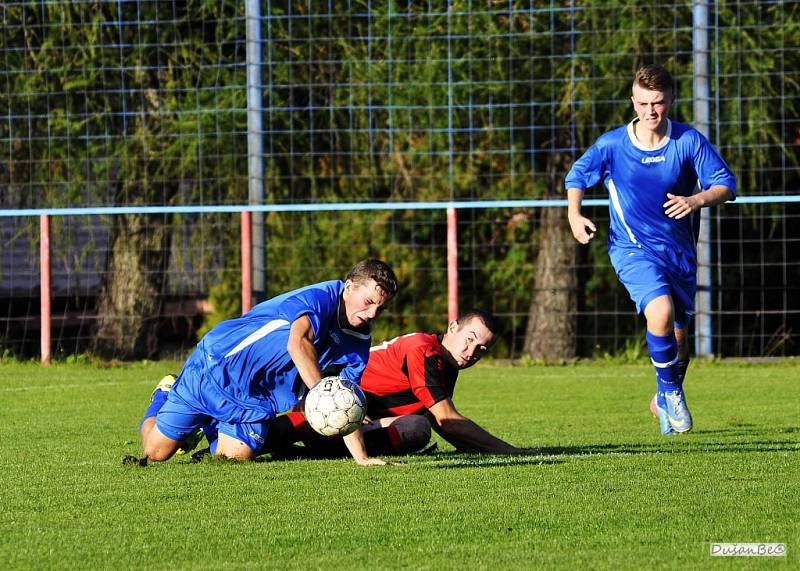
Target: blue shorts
193,404
647,276
253,434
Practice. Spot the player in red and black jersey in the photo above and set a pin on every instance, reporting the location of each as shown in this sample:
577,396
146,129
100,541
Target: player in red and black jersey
409,383
409,374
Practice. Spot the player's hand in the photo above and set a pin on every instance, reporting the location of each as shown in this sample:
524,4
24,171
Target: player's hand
579,225
678,207
370,462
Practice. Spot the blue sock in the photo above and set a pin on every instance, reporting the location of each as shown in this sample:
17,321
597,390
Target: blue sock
664,356
158,400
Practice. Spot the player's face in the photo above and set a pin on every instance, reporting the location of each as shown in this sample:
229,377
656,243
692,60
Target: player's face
652,107
468,342
363,302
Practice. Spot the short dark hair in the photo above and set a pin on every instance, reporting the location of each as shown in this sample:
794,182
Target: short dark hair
374,269
655,77
489,320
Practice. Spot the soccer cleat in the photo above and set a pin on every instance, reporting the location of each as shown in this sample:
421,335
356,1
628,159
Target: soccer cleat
658,407
190,442
165,384
654,405
677,413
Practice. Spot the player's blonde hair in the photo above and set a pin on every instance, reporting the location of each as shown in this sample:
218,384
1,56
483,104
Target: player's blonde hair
654,77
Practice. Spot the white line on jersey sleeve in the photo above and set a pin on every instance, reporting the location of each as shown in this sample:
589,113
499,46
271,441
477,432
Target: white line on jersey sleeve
258,334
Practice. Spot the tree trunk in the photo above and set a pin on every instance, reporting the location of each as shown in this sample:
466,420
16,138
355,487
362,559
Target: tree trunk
130,301
551,332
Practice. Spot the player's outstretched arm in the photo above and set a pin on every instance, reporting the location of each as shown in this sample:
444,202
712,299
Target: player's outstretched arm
301,349
457,443
451,424
358,450
582,228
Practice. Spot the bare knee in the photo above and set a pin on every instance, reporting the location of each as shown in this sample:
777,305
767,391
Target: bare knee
239,456
660,315
233,449
158,452
155,445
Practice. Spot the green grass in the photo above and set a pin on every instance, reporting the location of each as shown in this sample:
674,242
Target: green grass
602,490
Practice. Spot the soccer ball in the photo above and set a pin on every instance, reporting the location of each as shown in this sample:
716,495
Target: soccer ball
335,406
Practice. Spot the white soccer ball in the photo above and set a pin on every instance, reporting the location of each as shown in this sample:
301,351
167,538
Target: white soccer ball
335,406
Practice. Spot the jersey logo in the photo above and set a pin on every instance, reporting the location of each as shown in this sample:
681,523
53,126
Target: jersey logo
335,337
649,160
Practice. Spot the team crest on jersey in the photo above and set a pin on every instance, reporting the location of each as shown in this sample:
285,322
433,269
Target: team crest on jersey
650,160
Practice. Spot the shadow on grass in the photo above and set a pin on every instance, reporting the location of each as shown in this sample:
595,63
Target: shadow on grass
462,460
727,440
430,457
747,430
673,445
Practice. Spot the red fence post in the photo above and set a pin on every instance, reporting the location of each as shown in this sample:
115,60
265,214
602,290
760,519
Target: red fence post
247,261
44,286
452,265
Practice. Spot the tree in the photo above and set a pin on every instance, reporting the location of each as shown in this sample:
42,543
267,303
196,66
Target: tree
128,109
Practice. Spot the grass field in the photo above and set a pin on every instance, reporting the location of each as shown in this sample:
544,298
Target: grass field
602,489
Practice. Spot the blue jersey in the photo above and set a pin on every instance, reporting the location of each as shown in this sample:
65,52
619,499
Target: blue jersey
247,361
638,180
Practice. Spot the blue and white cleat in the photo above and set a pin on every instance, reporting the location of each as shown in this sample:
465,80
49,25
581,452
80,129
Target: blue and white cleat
677,413
658,406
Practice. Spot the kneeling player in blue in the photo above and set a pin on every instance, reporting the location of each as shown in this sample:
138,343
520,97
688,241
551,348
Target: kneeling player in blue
246,371
651,168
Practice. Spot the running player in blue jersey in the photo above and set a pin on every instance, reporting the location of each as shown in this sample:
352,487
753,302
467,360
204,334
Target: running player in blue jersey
651,168
246,371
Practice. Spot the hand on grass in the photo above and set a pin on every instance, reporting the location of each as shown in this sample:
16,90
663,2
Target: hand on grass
370,462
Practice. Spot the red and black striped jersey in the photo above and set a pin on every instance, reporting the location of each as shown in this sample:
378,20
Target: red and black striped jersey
407,375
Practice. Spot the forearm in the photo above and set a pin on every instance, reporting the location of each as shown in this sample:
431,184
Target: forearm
305,359
355,445
574,199
465,431
455,442
713,196
304,356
